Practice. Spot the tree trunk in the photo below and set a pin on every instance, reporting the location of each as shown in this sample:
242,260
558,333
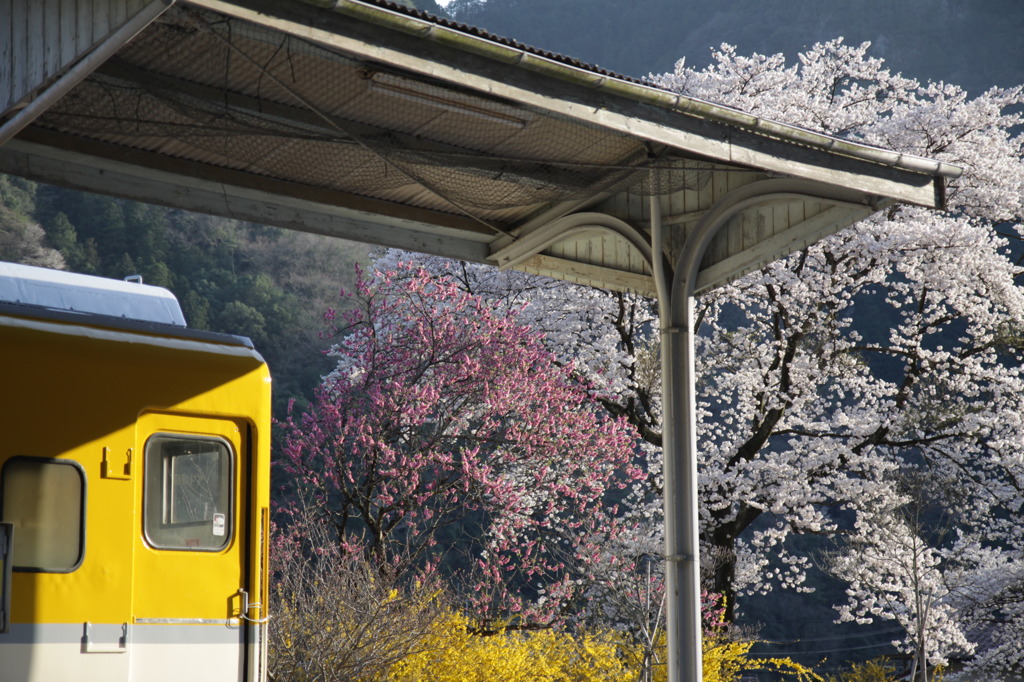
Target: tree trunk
724,573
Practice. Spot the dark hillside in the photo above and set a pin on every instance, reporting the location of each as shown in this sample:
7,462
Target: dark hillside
265,283
973,44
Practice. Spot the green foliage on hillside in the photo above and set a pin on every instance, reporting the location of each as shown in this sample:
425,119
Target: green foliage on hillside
22,240
235,277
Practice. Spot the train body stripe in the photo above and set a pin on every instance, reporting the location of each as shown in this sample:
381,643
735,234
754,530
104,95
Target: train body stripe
166,631
153,652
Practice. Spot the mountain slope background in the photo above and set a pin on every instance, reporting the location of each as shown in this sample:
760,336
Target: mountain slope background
229,276
973,43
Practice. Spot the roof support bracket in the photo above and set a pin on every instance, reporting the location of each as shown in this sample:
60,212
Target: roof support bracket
676,291
576,225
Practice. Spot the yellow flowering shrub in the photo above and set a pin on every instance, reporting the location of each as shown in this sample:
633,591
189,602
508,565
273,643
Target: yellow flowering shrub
725,659
877,670
453,654
336,619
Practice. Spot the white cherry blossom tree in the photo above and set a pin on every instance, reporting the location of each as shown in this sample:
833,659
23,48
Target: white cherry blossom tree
894,571
895,345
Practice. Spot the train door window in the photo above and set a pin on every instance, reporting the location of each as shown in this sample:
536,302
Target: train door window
44,501
187,492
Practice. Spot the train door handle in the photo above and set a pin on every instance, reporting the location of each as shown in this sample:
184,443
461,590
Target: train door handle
248,606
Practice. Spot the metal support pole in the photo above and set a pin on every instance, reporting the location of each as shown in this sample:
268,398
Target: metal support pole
682,552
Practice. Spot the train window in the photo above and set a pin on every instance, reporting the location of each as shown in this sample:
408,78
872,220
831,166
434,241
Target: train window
44,500
187,492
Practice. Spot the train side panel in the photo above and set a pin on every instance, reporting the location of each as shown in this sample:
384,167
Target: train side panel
134,469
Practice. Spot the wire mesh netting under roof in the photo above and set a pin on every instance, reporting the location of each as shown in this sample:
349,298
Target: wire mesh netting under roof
226,93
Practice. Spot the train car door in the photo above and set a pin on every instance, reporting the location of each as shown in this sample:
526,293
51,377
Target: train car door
192,554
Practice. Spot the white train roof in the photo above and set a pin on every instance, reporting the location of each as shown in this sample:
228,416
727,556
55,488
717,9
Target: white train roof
69,291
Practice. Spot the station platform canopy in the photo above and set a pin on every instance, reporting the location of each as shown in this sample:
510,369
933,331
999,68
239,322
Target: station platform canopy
373,122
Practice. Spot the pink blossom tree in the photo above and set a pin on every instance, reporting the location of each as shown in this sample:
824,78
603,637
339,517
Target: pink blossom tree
447,429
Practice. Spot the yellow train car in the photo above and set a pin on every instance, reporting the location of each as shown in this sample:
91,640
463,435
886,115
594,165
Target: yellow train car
134,487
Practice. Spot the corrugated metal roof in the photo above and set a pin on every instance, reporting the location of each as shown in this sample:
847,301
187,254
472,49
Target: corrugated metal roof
484,34
372,121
